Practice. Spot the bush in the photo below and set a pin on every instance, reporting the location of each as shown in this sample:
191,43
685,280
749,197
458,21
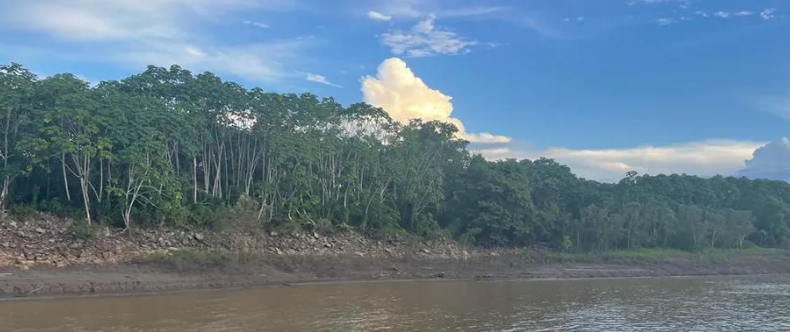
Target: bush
80,230
22,212
469,238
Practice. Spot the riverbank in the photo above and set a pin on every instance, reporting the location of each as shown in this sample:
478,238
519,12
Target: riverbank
45,257
190,271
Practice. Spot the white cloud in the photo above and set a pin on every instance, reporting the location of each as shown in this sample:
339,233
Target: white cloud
120,19
137,33
721,14
256,62
776,105
768,14
740,13
400,8
702,158
682,3
765,14
257,24
468,11
374,15
412,9
320,79
770,161
404,96
464,10
425,39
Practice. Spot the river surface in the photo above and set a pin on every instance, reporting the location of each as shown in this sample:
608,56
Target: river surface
603,305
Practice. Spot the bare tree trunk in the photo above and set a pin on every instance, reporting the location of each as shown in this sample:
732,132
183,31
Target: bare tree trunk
101,180
4,196
65,179
85,198
194,180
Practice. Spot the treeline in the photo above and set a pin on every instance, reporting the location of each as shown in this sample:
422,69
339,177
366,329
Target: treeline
166,147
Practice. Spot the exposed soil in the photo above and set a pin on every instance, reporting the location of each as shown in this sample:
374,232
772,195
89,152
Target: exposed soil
125,278
41,258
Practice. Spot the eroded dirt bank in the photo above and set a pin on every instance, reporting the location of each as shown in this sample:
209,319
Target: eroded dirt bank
42,257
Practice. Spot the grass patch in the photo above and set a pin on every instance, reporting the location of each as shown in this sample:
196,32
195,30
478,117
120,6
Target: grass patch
226,262
353,266
649,255
529,257
191,261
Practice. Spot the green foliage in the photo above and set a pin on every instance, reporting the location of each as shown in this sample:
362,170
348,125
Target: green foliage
566,243
83,231
183,261
22,212
166,147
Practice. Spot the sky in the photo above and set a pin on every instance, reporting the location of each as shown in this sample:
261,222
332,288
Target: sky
699,87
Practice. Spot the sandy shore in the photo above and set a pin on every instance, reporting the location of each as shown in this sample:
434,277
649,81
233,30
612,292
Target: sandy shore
128,278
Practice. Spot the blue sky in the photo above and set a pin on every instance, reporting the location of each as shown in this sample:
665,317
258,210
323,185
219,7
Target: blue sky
605,86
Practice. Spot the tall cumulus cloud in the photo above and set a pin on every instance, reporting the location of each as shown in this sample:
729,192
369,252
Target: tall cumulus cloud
405,96
770,161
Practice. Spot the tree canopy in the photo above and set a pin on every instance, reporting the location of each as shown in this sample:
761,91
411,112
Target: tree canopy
168,147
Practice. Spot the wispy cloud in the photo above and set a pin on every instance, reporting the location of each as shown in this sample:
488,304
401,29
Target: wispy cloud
320,79
447,10
577,19
768,13
704,158
374,15
257,24
666,21
722,14
468,11
777,105
137,33
765,14
425,39
652,2
440,8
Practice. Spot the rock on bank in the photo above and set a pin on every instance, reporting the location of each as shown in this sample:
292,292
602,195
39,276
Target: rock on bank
46,240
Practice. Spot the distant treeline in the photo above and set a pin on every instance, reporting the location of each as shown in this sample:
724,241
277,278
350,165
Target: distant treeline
166,147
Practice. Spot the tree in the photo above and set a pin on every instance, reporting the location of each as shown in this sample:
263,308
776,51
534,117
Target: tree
166,146
17,93
73,127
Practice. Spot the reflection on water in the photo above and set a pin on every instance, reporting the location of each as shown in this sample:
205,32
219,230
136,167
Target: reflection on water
635,305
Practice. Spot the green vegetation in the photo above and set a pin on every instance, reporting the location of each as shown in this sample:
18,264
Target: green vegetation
166,147
192,260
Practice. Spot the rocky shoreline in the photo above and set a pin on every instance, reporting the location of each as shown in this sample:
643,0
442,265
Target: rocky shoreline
47,240
43,257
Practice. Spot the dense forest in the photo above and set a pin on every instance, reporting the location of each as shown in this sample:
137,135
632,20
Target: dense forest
167,147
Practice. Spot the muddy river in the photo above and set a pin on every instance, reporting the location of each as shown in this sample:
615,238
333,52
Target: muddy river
611,305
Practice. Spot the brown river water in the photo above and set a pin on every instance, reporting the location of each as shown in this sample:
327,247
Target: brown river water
603,305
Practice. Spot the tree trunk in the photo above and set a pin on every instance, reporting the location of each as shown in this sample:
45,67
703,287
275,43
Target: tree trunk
85,197
65,179
194,180
4,196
